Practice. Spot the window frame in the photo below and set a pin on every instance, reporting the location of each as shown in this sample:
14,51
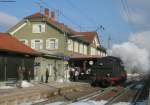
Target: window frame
33,44
70,44
38,28
48,42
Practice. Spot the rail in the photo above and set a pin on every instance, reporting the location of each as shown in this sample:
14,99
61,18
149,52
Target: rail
89,96
133,101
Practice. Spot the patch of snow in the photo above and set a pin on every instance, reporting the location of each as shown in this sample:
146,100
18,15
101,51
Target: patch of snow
55,103
122,103
26,84
102,102
6,87
139,86
133,75
90,102
26,103
60,80
40,100
144,102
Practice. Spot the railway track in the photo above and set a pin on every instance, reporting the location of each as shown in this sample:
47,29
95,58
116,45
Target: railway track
122,97
69,100
89,96
112,100
97,96
112,95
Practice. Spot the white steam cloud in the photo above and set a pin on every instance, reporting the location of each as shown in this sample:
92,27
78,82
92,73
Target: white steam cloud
135,53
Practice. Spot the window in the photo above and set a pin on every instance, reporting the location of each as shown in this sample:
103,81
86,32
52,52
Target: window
24,41
81,48
93,51
98,53
70,45
76,47
52,43
85,49
38,28
37,44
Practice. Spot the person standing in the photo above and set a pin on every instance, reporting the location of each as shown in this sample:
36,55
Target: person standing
29,75
76,75
71,73
20,76
47,76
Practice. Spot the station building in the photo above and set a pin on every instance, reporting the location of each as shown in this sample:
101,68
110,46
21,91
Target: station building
58,43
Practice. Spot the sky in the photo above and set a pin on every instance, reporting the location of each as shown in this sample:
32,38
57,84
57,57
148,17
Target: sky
86,15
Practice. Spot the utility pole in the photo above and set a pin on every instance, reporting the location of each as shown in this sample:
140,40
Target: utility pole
100,28
40,5
109,41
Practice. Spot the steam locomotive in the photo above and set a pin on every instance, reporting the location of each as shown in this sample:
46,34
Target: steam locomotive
107,71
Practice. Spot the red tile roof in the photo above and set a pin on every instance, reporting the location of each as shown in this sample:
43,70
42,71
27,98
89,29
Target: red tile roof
89,36
56,24
86,36
11,44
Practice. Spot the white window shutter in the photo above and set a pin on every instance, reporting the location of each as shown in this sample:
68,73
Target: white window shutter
43,27
33,44
47,44
35,28
41,46
56,44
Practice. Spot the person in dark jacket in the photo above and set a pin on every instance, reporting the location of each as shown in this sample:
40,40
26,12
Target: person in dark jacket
20,75
29,75
47,76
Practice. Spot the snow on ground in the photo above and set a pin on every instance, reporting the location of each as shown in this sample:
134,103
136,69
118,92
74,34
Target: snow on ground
60,80
6,87
122,103
133,75
145,102
102,102
55,103
26,84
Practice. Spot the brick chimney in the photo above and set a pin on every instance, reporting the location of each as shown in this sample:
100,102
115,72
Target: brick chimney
46,12
53,15
62,25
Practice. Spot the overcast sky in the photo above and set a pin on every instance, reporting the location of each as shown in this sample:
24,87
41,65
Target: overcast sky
118,22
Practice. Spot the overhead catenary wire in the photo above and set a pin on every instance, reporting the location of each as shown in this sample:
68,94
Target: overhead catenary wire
81,11
96,28
128,13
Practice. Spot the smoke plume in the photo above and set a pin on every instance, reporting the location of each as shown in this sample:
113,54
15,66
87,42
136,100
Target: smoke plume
135,53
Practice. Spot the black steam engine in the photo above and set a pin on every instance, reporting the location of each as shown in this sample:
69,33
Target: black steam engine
108,71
